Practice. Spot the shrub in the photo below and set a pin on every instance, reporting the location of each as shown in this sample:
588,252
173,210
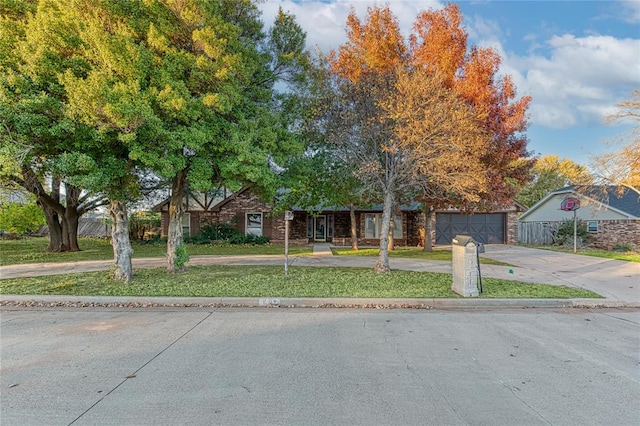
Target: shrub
18,218
197,239
623,247
223,231
182,257
241,239
261,240
564,233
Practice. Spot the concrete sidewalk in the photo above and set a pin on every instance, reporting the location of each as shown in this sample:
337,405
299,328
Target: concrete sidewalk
617,281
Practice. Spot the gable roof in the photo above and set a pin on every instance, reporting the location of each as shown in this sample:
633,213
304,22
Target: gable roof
626,202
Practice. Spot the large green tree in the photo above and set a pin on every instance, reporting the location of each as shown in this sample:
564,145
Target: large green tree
33,128
324,175
183,89
213,89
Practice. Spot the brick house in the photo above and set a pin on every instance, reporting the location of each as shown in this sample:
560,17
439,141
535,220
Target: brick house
612,217
250,214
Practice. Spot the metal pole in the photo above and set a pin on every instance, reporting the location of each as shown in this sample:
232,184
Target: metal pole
575,233
286,247
479,273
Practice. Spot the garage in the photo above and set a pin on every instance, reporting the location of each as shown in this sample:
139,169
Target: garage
487,228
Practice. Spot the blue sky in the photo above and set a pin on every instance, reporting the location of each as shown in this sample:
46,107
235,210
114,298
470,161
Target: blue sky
577,59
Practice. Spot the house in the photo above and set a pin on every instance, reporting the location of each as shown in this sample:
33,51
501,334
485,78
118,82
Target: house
612,217
252,215
196,204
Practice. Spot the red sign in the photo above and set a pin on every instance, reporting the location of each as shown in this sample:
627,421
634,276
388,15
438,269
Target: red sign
570,204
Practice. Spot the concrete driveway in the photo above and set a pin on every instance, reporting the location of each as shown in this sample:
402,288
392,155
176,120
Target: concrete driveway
613,279
319,367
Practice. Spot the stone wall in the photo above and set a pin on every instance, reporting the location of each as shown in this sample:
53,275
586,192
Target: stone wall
512,227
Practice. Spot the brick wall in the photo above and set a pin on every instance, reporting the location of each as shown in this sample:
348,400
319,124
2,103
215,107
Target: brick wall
234,211
613,232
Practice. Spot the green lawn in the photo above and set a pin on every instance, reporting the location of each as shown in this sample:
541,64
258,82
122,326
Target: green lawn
31,250
410,252
269,281
630,256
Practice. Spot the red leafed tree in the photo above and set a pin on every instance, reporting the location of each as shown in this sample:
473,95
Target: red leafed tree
439,44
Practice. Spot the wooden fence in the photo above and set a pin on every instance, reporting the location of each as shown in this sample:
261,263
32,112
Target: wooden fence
97,228
536,232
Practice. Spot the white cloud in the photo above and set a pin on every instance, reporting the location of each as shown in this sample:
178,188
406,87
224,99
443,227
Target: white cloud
581,77
325,22
631,11
573,80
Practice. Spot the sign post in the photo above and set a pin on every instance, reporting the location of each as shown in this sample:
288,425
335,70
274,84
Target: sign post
288,217
571,205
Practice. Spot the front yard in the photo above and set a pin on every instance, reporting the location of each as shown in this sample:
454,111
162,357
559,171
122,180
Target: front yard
269,281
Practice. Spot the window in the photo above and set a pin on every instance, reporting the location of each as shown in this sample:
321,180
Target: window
373,224
186,224
309,226
254,224
592,226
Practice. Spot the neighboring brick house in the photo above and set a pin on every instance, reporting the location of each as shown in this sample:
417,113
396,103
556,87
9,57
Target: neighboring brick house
612,217
252,215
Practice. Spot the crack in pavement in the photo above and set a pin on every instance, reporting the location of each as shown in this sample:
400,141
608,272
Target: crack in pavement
135,373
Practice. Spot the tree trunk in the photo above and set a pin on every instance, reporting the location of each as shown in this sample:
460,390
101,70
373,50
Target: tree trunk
65,233
55,230
392,225
176,210
122,250
428,244
382,265
71,216
61,219
354,227
71,220
54,203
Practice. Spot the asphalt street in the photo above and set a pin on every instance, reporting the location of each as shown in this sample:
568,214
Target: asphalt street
319,366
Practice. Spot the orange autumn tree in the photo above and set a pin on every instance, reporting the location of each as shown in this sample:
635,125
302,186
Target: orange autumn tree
403,129
439,45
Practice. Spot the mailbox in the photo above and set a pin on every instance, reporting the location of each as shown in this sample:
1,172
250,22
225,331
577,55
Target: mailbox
464,251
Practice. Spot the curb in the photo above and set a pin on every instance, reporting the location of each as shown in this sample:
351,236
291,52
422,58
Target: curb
253,302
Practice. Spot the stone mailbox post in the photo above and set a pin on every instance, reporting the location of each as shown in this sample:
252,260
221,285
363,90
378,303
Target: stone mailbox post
464,251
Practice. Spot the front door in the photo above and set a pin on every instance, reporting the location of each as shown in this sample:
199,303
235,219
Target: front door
320,228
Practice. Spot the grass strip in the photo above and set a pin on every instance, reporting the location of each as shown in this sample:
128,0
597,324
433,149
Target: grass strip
269,281
629,256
